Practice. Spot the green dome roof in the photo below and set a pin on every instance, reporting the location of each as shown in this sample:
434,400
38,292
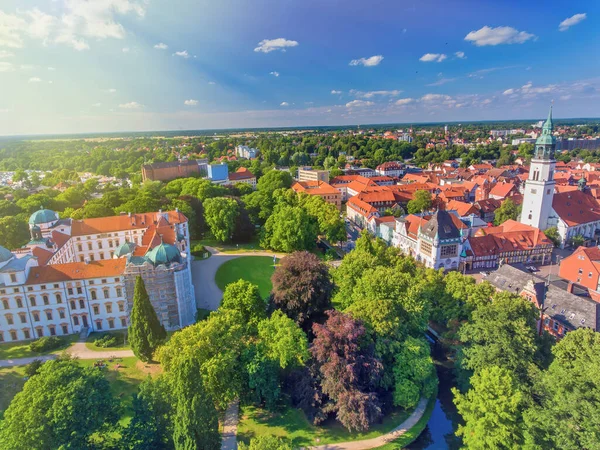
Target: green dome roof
43,216
5,254
163,254
125,249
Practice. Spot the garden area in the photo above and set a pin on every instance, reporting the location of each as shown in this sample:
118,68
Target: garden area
254,269
106,341
15,350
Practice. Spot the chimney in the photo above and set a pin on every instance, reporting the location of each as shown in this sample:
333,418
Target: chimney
570,287
129,214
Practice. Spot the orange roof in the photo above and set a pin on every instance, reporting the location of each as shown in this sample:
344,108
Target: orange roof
363,208
121,223
502,189
76,271
576,207
42,255
241,174
314,187
463,209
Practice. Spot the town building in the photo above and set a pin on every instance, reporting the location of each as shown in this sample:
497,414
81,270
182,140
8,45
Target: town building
218,173
310,174
391,169
242,175
244,151
167,171
582,267
321,189
77,276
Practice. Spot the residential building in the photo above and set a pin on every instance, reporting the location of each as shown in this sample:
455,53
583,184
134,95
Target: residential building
242,175
310,174
391,169
582,267
167,171
322,189
218,173
243,151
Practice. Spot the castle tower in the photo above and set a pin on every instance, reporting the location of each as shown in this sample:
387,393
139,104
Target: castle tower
539,188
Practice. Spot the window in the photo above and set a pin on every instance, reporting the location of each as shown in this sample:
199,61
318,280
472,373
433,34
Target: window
110,243
123,322
75,320
99,244
58,298
36,316
93,295
79,291
119,292
70,291
104,281
49,315
56,286
96,309
89,245
580,271
52,330
26,334
32,301
61,313
91,257
98,324
111,323
5,304
81,258
13,278
19,303
426,248
590,275
117,280
43,286
15,290
106,293
81,304
45,299
121,307
73,304
65,329
555,326
79,248
13,335
9,319
92,282
23,317
108,308
449,250
39,331
101,255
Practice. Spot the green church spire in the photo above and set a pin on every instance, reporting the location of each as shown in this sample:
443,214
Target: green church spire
549,125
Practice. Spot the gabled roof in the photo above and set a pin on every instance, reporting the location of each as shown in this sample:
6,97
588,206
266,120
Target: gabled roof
576,207
502,189
122,223
76,271
441,226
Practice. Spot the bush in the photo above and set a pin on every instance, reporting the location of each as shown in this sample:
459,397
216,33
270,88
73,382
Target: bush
45,344
33,367
108,340
198,251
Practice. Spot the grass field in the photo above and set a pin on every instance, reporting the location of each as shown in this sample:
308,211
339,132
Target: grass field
89,343
11,382
292,424
14,350
255,269
253,245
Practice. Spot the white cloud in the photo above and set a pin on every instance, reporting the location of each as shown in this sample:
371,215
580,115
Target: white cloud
183,54
442,81
358,104
96,105
125,49
130,105
6,54
275,74
212,82
460,55
284,104
161,46
35,80
372,94
435,98
334,92
51,69
509,92
111,90
6,67
367,62
271,45
573,20
190,102
433,57
498,35
41,25
404,101
11,27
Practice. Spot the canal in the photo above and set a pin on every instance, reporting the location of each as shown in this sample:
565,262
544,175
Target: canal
439,433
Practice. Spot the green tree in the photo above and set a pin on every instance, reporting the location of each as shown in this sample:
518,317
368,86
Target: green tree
195,419
14,232
283,341
61,407
244,297
266,443
145,331
507,211
421,202
577,241
552,234
220,214
288,229
492,410
414,373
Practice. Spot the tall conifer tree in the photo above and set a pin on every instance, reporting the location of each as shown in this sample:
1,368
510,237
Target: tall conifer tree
146,332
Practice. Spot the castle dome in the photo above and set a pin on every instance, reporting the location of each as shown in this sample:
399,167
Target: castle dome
5,254
163,254
125,249
43,216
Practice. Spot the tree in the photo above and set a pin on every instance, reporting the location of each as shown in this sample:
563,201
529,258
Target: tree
14,232
195,419
552,234
507,211
151,426
145,331
244,297
301,288
492,410
220,214
283,341
348,369
566,414
421,202
61,407
266,443
414,373
289,229
577,241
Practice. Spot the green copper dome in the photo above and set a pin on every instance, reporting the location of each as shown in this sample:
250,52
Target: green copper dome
43,216
163,254
125,249
5,254
546,142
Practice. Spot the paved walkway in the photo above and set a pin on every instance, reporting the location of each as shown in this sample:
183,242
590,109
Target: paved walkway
208,294
230,423
381,440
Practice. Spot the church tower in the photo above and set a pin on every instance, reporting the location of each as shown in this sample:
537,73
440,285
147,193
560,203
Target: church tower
539,188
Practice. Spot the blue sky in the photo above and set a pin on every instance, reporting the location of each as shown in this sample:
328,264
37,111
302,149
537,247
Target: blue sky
117,65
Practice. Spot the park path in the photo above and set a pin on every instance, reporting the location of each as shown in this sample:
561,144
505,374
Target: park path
208,294
383,439
230,423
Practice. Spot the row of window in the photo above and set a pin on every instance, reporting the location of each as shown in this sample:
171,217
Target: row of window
35,315
58,297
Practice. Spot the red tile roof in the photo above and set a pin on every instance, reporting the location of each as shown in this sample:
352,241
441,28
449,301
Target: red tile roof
76,271
241,174
576,208
121,223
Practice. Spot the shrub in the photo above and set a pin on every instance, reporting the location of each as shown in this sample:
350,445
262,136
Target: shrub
45,344
33,367
198,251
107,340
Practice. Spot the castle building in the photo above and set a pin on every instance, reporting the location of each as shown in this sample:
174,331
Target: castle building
78,276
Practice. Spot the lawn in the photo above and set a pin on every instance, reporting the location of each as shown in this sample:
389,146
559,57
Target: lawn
14,350
89,343
255,269
209,241
11,382
292,424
